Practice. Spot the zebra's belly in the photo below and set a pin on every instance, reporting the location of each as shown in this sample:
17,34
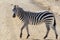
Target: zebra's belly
34,22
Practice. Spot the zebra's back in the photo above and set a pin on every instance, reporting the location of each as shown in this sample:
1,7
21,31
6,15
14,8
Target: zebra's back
36,18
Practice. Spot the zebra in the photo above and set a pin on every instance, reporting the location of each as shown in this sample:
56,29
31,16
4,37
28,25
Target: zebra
35,18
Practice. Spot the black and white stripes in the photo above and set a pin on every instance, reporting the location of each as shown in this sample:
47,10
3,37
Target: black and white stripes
35,18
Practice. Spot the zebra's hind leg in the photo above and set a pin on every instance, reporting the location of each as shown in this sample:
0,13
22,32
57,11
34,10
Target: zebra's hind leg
48,29
54,28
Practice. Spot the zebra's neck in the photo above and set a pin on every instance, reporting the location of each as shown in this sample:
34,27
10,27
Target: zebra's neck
21,14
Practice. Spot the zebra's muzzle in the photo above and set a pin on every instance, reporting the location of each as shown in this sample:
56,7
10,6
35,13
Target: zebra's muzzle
14,15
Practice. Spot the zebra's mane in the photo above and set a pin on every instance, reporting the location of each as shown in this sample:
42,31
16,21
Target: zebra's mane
20,13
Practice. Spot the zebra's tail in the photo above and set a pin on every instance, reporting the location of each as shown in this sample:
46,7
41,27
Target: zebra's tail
54,22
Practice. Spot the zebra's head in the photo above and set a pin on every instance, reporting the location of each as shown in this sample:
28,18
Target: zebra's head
16,10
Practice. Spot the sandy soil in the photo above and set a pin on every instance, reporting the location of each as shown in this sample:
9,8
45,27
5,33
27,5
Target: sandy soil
10,27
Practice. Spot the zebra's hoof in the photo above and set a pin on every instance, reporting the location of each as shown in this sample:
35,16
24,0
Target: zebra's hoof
45,37
28,36
21,35
56,36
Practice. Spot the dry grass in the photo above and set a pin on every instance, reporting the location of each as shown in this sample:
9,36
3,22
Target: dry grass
10,27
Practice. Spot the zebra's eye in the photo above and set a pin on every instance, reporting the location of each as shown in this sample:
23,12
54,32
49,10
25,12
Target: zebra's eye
14,10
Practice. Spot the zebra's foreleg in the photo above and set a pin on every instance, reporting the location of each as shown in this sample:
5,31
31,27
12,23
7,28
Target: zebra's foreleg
48,28
27,31
22,30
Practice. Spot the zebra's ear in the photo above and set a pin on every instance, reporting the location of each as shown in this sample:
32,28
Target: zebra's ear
17,6
11,4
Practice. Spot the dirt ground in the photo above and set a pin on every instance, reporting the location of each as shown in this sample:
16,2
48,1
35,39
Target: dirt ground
10,27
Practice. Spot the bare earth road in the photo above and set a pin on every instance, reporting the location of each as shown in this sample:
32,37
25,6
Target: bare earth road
10,27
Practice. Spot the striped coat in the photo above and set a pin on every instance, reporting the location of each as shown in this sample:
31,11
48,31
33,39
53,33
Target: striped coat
35,18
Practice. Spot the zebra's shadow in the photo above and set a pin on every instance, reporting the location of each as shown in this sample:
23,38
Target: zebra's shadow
43,39
35,39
